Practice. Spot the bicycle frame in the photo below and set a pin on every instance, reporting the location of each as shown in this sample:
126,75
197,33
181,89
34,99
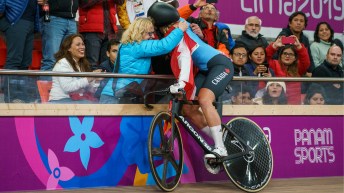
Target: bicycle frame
175,108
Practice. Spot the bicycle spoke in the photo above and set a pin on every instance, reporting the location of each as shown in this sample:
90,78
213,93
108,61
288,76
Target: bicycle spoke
164,172
173,161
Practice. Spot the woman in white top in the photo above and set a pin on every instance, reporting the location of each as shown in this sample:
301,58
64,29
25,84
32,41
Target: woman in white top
71,58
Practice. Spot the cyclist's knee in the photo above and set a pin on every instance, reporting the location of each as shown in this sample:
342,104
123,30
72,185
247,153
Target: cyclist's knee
205,102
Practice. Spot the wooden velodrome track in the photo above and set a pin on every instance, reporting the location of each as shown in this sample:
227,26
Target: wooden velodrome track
298,185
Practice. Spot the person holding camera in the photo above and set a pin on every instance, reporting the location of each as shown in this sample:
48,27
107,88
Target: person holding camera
297,22
293,61
258,65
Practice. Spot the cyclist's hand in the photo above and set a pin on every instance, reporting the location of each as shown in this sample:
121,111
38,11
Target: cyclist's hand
174,89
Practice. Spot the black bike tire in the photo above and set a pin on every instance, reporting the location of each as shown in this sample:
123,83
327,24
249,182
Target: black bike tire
262,165
178,164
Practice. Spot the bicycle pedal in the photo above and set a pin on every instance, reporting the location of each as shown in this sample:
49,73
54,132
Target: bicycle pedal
212,165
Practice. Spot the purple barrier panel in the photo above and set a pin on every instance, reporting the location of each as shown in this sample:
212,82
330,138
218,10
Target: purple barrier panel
307,146
15,171
38,153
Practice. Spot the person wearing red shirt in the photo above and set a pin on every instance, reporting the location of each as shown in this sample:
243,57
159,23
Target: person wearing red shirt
293,61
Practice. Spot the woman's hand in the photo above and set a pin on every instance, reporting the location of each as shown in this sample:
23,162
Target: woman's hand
297,43
183,25
98,71
90,79
266,74
278,43
260,69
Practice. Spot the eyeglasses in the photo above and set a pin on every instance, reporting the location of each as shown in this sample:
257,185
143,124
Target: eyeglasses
252,24
208,8
239,55
288,54
151,33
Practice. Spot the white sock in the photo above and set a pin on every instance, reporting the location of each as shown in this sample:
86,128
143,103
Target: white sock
217,136
207,131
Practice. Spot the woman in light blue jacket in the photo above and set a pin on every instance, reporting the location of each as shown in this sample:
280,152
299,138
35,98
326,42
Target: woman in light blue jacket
136,51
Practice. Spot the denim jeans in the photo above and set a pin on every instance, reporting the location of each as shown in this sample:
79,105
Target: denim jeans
19,43
53,33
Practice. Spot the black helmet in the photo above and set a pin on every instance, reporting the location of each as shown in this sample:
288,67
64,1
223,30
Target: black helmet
163,14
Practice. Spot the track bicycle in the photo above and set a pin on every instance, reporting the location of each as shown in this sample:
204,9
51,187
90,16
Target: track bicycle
249,163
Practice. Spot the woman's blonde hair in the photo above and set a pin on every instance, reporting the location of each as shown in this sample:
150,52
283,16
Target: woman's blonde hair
136,30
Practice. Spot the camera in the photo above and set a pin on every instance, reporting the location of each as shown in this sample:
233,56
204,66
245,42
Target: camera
288,40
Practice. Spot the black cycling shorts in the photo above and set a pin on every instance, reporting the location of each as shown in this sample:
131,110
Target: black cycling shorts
220,73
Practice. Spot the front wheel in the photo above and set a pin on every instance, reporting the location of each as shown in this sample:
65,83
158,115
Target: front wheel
251,172
165,152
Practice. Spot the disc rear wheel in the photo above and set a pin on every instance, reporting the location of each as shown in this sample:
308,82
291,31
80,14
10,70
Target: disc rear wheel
251,172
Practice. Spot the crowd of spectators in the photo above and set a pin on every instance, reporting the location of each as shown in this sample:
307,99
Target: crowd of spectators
94,43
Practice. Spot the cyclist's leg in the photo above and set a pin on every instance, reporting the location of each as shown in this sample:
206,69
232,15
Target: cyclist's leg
193,112
220,72
195,115
206,98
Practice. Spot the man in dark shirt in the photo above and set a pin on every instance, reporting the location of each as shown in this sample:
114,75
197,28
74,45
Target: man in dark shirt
330,68
251,37
297,23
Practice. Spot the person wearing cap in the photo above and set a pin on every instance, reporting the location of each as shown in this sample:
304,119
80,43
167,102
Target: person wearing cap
135,52
273,94
215,71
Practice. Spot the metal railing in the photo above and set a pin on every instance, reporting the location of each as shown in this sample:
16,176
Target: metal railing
116,75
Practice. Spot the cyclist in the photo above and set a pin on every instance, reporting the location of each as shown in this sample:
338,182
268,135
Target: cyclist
214,72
